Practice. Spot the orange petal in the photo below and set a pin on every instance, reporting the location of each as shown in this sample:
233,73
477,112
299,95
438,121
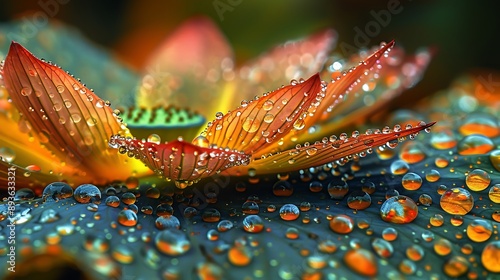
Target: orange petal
179,160
64,115
187,68
341,149
256,124
292,60
23,178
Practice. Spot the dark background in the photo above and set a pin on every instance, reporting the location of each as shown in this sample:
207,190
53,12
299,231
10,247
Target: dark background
465,33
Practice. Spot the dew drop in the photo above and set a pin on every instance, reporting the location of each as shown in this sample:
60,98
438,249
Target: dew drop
251,125
457,201
399,210
289,212
477,180
342,224
172,242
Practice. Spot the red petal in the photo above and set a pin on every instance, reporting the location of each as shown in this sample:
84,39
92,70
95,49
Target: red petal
64,114
255,125
328,151
179,160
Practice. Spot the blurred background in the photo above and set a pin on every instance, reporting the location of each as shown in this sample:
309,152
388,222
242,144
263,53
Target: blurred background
464,33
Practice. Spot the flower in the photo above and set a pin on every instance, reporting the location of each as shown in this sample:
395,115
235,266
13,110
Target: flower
75,125
425,208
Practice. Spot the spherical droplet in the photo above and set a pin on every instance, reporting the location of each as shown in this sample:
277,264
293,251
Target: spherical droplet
250,207
415,252
383,248
432,176
210,215
425,199
282,188
154,138
172,242
436,220
127,218
56,191
362,262
342,224
128,198
253,224
494,193
442,247
338,190
167,222
112,201
399,210
251,125
390,234
411,181
412,152
239,255
479,230
289,212
477,180
87,193
399,167
490,257
456,266
457,201
224,225
475,145
359,200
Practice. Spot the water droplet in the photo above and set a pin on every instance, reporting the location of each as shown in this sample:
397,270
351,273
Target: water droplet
268,105
56,191
210,215
338,190
494,193
172,242
475,145
76,118
342,224
442,247
457,201
399,167
359,200
399,210
251,125
479,230
477,180
154,138
26,91
268,118
289,212
362,262
7,154
389,234
415,252
282,188
253,224
87,193
250,207
490,257
383,248
224,225
411,181
167,222
127,218
112,201
60,88
425,199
